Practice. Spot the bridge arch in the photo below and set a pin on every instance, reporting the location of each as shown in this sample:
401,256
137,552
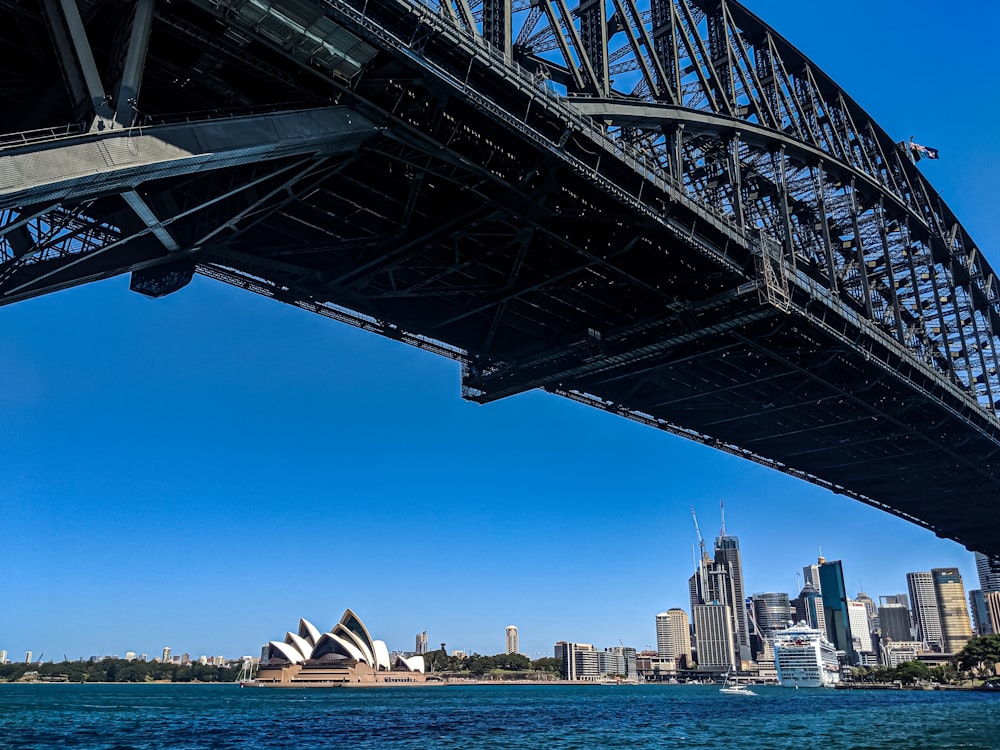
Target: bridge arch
661,209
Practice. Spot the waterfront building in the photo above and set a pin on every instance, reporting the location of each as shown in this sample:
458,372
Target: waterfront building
989,573
714,640
27,657
895,653
345,655
860,632
894,622
580,661
835,612
803,657
166,655
673,637
512,640
953,612
925,609
981,624
421,645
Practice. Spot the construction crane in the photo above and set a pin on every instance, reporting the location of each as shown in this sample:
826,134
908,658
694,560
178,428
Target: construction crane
700,568
701,541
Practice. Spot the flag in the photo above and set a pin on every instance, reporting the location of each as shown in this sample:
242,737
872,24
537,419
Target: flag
929,151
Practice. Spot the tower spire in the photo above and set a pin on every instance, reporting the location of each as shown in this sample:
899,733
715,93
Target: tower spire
722,511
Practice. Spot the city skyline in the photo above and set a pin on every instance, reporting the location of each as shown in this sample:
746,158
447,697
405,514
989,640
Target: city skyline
170,464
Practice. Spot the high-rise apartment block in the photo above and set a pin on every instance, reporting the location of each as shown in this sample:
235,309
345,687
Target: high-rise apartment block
421,645
953,611
166,655
673,637
511,639
580,661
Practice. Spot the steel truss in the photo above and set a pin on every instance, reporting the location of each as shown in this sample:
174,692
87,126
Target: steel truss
658,208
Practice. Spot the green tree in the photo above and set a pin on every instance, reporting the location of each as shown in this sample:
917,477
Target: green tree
980,655
911,671
547,664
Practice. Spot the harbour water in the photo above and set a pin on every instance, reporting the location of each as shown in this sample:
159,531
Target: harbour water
563,717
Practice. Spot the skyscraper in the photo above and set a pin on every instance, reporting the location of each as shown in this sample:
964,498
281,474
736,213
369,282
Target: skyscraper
953,611
512,644
925,609
894,621
809,607
727,554
989,575
835,612
772,612
992,599
810,573
421,643
860,631
713,629
981,624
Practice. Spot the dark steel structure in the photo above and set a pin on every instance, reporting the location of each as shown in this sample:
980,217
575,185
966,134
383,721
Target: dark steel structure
658,208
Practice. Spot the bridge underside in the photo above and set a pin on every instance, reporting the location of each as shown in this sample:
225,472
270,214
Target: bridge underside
507,236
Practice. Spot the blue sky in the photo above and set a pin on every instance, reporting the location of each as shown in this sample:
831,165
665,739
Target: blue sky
200,471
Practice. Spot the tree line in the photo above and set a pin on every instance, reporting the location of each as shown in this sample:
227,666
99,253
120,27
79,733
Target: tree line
117,670
477,665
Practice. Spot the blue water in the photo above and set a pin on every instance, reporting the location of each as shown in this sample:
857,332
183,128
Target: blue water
224,717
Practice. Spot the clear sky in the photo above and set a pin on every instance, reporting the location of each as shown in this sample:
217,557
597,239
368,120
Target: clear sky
200,471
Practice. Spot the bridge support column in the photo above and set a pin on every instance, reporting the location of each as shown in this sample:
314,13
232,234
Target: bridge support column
77,62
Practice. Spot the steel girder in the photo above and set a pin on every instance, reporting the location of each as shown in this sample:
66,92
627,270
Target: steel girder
661,209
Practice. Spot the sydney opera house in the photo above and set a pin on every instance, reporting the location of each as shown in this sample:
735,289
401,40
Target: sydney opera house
347,655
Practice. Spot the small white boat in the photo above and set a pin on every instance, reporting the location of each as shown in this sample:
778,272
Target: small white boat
734,689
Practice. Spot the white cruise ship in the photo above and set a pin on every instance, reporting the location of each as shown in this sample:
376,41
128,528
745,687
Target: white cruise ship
804,657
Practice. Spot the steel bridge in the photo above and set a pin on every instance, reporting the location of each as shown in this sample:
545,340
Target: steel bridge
659,208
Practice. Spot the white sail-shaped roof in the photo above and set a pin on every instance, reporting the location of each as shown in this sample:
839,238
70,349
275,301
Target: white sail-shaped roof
286,651
353,623
330,643
342,632
412,663
381,655
308,631
304,647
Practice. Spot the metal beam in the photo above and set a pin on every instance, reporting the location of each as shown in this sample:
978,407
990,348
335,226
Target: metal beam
95,164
